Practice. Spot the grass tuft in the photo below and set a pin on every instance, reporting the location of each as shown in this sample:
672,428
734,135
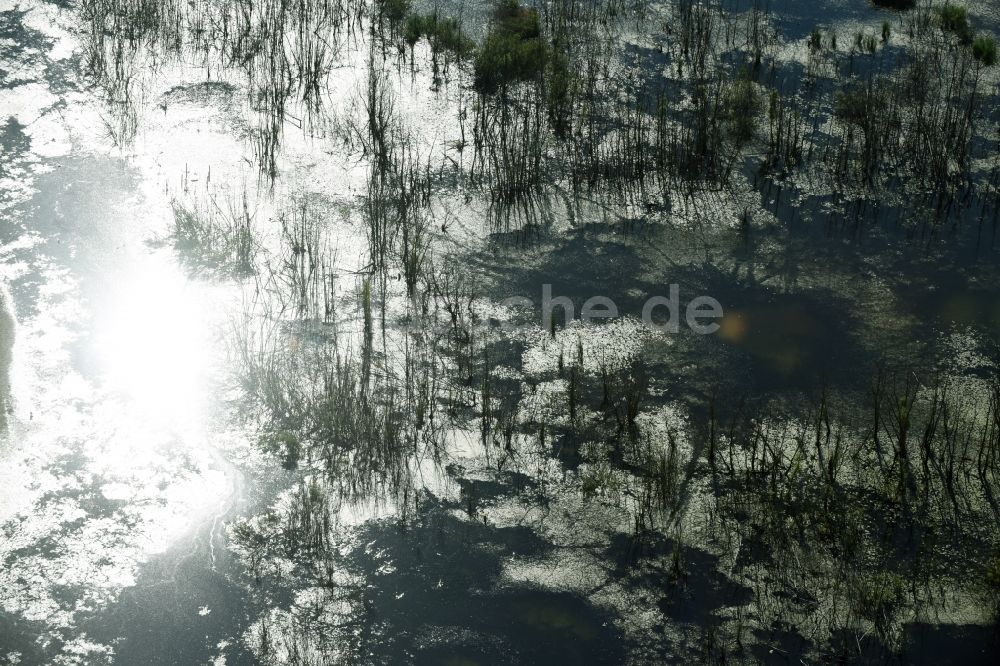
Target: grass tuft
955,19
984,49
513,50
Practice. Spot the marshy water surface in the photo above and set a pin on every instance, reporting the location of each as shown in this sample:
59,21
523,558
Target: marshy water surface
276,386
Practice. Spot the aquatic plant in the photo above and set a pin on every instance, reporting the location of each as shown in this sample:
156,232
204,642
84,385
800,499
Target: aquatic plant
600,479
213,237
743,103
284,444
443,34
513,49
852,105
791,489
984,49
815,39
393,11
325,410
561,83
509,137
284,51
306,268
454,292
955,19
698,27
786,134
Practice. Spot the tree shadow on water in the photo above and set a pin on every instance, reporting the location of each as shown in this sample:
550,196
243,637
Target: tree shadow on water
437,594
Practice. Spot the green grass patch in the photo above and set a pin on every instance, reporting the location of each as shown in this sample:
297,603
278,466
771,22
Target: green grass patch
514,49
955,19
395,11
444,34
984,49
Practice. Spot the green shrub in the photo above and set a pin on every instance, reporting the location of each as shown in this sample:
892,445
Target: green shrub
518,20
984,49
955,19
415,28
448,35
444,34
394,11
512,51
851,106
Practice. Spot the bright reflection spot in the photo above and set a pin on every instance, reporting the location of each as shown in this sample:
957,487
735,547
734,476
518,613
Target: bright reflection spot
155,345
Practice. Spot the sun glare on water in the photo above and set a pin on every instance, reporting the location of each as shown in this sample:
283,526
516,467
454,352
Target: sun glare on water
156,348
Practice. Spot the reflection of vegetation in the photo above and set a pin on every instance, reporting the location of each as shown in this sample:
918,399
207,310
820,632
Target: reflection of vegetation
394,11
442,33
561,86
984,49
816,39
606,139
306,265
743,104
330,410
285,445
283,50
216,238
852,106
354,393
513,50
992,586
954,18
